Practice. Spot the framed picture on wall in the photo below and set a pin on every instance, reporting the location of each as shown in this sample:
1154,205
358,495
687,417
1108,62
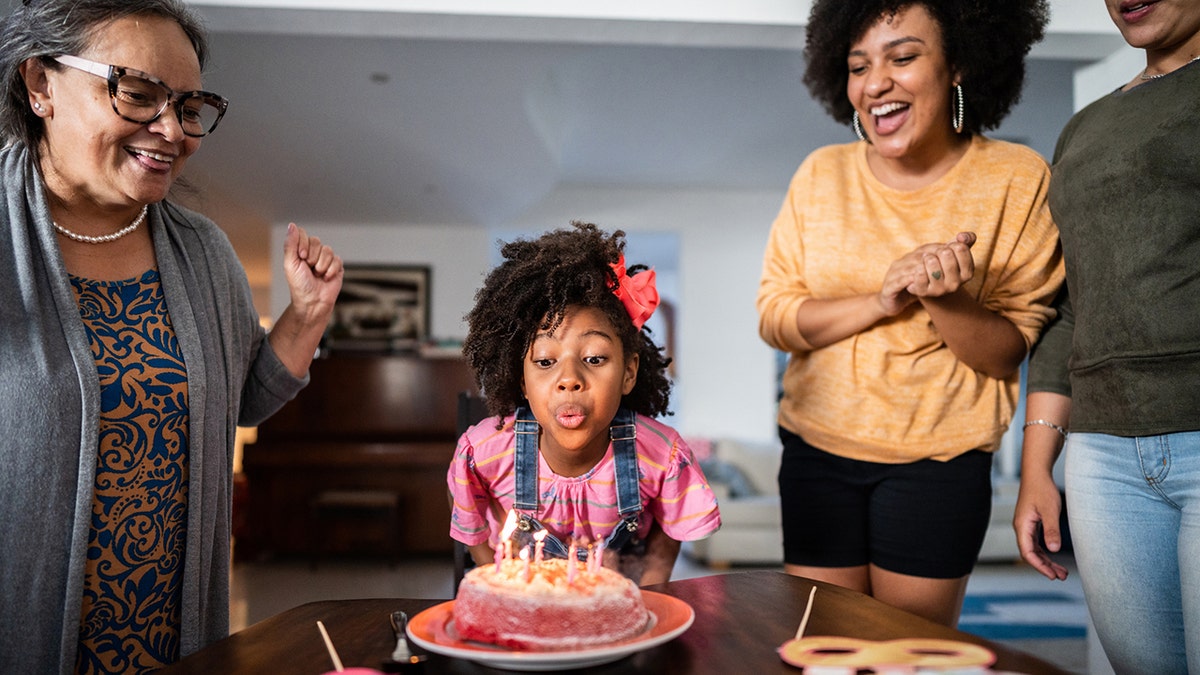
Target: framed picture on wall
381,308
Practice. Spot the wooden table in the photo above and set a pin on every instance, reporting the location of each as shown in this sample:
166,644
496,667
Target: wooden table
741,619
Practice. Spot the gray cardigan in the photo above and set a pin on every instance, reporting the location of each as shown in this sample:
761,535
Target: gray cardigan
49,403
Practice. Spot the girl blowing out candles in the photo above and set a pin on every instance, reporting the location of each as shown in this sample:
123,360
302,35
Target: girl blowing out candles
572,379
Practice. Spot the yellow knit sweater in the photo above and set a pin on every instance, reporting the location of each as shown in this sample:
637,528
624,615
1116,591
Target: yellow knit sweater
895,392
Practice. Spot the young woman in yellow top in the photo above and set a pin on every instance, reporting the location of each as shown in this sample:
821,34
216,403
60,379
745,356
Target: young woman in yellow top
907,274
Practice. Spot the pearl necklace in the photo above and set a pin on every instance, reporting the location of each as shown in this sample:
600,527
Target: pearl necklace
104,238
1144,76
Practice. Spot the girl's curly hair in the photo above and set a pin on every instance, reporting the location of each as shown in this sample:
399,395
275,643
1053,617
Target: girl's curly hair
530,291
985,40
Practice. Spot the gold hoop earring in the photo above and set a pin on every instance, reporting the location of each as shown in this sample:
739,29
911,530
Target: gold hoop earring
858,130
956,110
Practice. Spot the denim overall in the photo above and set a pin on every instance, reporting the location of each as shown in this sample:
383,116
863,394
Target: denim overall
622,431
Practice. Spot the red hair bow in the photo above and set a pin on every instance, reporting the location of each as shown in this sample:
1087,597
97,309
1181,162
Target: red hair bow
638,293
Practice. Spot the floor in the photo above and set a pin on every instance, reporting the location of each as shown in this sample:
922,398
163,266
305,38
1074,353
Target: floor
1006,602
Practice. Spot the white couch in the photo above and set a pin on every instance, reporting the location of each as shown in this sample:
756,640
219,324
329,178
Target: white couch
744,477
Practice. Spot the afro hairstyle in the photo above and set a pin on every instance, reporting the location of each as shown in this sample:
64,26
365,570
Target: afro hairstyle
985,41
530,292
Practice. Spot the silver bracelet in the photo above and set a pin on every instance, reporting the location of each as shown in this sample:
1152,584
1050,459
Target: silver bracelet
1046,423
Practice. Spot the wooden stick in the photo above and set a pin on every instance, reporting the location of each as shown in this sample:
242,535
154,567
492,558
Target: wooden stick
807,611
337,662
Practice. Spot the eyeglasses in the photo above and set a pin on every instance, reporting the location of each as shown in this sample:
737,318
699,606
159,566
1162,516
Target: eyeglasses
142,98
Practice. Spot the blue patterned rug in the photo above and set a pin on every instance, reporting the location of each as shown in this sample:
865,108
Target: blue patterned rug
1024,616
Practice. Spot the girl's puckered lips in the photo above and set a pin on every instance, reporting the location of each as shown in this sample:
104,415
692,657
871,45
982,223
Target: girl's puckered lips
570,415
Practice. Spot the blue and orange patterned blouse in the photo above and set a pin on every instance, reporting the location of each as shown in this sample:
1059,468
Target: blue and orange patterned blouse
132,585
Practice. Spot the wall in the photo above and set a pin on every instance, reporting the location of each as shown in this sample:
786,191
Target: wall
457,256
1102,77
725,374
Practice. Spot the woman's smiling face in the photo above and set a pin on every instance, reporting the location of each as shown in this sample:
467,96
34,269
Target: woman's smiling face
92,153
900,84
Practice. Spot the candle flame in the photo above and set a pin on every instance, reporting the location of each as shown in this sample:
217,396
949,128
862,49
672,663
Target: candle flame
572,563
528,568
594,563
538,544
510,525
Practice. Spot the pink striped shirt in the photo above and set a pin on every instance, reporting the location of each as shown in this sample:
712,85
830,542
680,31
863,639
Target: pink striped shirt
674,491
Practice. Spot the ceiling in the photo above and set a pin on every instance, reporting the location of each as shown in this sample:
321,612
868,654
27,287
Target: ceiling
437,131
337,117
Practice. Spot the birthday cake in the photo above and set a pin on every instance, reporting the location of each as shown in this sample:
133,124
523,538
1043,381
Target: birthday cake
535,606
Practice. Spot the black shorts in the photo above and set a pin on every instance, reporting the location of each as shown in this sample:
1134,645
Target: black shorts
925,519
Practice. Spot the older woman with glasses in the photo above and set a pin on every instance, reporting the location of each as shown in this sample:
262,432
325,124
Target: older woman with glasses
129,347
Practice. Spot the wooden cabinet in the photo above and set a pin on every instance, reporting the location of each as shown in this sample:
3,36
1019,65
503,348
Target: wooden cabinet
367,423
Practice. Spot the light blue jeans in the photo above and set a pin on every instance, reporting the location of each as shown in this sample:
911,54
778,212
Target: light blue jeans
1134,511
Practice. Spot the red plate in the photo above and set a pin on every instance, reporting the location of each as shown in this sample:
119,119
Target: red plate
433,630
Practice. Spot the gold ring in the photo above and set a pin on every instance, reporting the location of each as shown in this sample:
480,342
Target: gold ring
936,274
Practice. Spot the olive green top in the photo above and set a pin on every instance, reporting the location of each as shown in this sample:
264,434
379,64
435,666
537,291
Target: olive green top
1125,193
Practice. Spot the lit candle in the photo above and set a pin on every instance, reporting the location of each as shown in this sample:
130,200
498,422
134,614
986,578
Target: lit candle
528,569
572,562
590,554
537,546
499,556
598,561
506,532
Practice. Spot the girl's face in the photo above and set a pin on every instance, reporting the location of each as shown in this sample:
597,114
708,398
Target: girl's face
900,84
574,378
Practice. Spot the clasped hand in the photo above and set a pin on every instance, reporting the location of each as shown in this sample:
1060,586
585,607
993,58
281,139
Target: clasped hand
929,271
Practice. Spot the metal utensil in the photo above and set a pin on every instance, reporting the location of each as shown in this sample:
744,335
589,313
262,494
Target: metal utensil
402,655
399,623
